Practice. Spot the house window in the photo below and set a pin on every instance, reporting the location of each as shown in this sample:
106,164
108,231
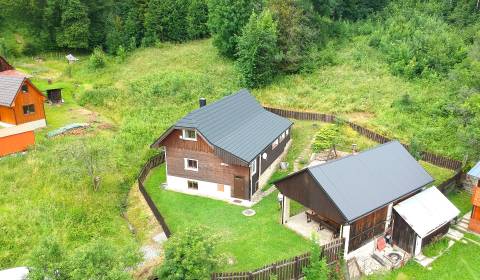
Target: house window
193,185
253,167
275,144
286,131
189,134
28,109
282,137
191,164
24,88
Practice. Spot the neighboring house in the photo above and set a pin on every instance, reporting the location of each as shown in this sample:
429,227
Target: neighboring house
355,196
21,111
472,183
225,150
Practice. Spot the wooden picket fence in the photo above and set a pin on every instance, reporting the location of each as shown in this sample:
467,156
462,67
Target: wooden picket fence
287,269
432,158
149,165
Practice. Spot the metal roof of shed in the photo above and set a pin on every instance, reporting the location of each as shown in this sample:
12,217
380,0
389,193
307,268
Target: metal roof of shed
237,124
361,183
9,86
475,171
427,211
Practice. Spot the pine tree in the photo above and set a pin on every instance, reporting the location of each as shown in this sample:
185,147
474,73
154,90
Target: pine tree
74,27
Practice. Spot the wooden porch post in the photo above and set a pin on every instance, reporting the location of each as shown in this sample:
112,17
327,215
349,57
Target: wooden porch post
285,210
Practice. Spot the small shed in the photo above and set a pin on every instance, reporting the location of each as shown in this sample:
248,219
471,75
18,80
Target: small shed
71,58
422,218
54,95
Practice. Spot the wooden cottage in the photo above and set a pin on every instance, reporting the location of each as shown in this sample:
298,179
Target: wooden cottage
354,196
473,176
225,150
21,112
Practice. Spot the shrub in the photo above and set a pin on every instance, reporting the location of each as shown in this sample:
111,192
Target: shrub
298,30
226,20
416,148
100,260
47,261
258,53
166,20
326,137
318,268
97,58
197,17
417,42
121,53
189,255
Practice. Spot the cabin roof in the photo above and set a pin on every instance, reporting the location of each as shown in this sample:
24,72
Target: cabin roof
9,86
359,184
237,124
427,211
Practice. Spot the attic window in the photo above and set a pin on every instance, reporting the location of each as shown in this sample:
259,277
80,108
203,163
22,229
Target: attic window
24,88
28,109
189,134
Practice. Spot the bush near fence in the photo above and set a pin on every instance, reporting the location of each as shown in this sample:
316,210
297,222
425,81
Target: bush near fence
432,158
286,269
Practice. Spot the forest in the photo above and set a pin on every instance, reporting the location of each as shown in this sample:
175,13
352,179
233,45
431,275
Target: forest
434,41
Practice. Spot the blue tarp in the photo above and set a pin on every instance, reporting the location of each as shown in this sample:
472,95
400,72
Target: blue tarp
475,171
66,128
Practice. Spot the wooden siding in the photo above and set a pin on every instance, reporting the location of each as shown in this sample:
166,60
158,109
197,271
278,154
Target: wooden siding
7,115
210,167
435,235
303,189
16,143
32,96
273,154
367,228
403,235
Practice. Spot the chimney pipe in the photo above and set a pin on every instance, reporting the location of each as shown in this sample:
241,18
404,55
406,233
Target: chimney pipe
202,102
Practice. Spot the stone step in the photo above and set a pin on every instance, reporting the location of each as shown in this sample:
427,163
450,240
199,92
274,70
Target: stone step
464,230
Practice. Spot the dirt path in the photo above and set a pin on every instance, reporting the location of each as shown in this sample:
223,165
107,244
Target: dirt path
148,232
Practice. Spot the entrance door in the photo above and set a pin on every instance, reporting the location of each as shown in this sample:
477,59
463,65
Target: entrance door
239,188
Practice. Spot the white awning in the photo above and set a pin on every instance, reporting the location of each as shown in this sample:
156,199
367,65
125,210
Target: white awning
427,211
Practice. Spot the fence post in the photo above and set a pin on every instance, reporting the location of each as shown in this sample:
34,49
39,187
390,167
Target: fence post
296,270
250,276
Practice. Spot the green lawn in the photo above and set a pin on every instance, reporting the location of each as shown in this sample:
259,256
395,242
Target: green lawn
250,241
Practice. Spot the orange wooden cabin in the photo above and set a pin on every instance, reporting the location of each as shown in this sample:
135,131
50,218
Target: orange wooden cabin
473,176
21,110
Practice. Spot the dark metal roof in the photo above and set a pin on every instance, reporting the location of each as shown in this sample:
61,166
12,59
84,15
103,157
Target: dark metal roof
9,86
237,124
361,183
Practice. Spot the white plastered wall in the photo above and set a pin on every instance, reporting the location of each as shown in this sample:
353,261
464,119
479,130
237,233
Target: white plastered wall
205,188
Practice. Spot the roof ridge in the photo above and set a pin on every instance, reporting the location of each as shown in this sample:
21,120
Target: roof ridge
354,155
